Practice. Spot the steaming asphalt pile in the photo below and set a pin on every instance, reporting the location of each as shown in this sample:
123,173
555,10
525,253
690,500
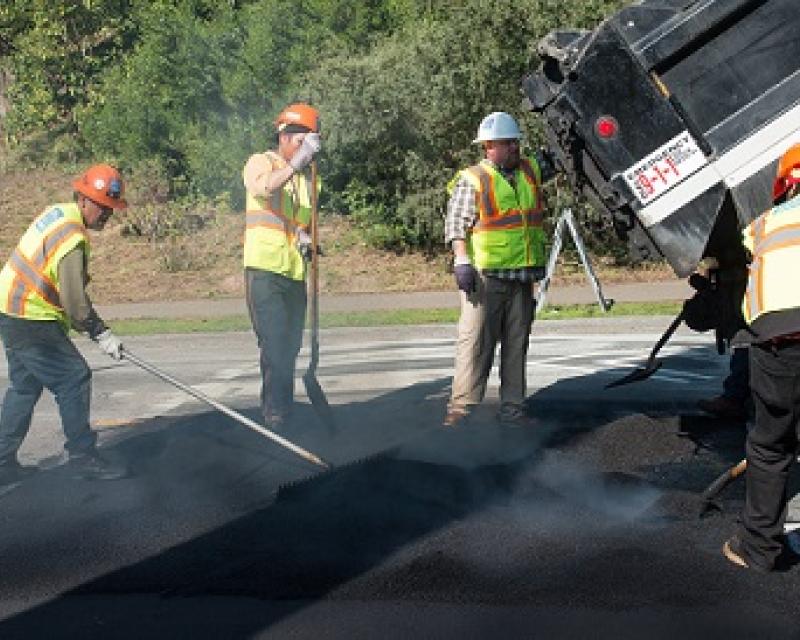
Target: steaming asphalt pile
588,523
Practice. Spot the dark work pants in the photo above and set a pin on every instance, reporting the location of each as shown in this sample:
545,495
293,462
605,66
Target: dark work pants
771,449
277,306
737,385
40,355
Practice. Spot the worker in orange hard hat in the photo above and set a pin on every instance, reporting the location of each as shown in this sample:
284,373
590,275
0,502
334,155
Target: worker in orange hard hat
277,247
771,307
42,297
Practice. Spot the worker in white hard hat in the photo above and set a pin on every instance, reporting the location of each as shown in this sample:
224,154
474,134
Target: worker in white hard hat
494,226
42,297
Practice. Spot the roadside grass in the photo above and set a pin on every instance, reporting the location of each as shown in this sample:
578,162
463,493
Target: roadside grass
389,317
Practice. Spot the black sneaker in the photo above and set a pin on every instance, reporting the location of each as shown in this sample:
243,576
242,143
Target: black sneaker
93,466
513,416
12,472
275,421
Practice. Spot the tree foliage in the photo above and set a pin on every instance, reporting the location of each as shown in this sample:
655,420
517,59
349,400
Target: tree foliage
183,91
55,51
405,112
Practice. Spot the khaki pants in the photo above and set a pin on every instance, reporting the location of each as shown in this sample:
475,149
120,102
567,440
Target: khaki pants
500,310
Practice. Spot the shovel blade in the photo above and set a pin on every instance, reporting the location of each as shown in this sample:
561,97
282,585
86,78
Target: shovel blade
637,375
318,400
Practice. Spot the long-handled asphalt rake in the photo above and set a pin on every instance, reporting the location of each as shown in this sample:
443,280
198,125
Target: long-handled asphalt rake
247,422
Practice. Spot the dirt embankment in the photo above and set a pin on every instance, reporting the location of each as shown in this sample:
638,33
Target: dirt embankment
207,262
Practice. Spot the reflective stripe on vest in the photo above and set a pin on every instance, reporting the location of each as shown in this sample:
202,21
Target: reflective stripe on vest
508,233
34,280
271,224
272,220
773,236
29,280
510,221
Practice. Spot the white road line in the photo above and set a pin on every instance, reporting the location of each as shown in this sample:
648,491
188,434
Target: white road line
606,356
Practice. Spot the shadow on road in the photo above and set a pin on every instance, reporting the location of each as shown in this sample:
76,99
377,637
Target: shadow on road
203,521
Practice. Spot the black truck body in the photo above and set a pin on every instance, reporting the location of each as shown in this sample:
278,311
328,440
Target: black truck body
670,117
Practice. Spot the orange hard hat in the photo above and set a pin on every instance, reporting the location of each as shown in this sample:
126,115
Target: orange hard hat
103,184
298,113
788,172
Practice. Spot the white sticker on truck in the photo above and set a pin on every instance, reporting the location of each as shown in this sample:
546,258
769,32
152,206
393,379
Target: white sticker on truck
668,165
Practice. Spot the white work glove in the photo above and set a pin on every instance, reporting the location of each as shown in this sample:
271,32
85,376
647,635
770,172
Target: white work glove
303,243
305,153
110,344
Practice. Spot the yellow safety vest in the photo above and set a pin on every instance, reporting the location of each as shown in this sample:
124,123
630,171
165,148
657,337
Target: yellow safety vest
508,234
269,239
29,280
774,241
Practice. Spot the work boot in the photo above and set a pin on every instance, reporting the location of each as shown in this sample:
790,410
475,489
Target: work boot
93,466
275,421
514,416
732,550
12,471
455,417
723,407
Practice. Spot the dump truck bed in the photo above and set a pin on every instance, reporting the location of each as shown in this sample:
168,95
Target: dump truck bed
670,116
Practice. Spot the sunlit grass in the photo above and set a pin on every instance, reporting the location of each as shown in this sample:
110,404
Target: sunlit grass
388,317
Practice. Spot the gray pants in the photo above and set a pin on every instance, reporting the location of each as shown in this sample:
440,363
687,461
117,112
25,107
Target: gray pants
498,311
277,306
41,355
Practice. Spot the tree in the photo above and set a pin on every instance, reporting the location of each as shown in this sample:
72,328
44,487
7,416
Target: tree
56,51
399,119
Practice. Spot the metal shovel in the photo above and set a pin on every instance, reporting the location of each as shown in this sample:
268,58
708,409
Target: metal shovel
247,422
313,389
652,365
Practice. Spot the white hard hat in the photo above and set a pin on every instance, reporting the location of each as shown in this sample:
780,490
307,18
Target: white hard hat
498,126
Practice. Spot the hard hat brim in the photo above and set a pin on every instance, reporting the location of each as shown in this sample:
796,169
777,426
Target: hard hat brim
101,199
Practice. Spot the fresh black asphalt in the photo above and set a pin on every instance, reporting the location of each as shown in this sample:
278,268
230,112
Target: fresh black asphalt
586,526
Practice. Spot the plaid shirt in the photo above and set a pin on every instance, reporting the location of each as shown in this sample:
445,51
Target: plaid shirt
462,215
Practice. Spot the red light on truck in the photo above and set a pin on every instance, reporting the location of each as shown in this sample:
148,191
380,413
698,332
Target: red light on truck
606,127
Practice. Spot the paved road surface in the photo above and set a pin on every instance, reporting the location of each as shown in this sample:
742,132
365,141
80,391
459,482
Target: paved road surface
584,527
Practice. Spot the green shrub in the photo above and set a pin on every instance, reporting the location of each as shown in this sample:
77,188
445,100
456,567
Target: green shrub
179,93
399,120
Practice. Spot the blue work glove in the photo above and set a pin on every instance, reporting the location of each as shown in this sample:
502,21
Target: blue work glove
465,277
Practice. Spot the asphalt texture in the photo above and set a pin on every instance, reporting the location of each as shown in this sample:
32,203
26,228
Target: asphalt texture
587,527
